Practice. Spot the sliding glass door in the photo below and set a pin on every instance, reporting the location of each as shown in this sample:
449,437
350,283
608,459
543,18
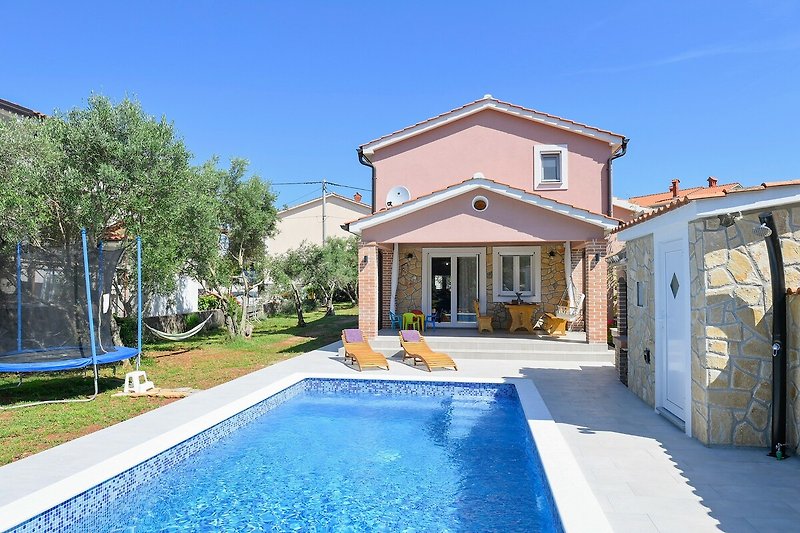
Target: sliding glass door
452,282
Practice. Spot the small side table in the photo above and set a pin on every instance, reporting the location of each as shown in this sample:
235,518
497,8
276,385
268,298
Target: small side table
521,316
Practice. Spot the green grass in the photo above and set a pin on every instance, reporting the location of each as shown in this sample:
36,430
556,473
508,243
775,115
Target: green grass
206,360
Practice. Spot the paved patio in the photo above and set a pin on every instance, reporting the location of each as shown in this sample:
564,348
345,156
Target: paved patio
646,474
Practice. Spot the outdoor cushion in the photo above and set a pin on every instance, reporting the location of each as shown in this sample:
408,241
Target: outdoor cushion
411,335
353,335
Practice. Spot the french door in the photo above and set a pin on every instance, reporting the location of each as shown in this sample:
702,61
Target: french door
452,280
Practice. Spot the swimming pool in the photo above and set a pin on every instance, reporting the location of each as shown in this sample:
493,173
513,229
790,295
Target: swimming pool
325,454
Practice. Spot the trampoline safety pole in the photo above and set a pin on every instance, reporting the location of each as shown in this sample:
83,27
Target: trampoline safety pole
138,301
89,310
19,296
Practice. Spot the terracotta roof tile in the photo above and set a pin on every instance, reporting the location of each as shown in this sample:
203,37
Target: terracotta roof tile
705,192
521,108
663,198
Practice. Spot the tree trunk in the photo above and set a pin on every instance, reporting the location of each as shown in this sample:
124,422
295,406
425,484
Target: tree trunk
245,301
298,305
329,309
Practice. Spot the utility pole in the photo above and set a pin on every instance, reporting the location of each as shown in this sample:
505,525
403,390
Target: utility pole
324,201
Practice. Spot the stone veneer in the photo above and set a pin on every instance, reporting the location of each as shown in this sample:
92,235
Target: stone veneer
641,319
409,282
731,307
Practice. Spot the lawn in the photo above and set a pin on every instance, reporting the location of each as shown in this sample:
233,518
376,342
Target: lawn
202,362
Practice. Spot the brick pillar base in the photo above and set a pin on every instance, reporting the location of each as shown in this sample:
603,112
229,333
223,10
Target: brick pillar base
596,292
368,289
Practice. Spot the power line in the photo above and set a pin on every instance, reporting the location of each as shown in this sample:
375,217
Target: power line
320,183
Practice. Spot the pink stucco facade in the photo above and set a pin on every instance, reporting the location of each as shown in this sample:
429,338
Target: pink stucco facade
505,220
499,145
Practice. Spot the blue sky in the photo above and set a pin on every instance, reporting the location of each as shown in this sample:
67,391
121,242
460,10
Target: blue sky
701,88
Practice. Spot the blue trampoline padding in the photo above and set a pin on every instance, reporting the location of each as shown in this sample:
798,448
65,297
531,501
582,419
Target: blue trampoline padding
56,359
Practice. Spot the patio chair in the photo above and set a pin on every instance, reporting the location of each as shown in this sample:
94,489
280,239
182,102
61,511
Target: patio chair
484,322
395,320
360,352
415,347
556,323
414,321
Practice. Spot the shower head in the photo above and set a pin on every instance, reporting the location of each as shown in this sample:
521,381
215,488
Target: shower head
762,231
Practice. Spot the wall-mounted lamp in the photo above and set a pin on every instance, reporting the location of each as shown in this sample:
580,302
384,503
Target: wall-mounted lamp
409,255
551,253
596,258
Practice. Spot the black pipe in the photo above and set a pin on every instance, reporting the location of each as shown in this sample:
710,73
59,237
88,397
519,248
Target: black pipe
621,151
779,345
367,163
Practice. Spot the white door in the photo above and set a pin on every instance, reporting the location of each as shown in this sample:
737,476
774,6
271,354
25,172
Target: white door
676,334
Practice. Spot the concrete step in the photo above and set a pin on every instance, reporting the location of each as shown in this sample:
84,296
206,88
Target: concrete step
504,348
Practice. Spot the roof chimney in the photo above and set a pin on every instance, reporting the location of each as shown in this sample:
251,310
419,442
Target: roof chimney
712,181
674,187
357,197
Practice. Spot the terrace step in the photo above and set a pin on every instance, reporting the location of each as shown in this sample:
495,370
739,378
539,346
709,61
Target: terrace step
504,348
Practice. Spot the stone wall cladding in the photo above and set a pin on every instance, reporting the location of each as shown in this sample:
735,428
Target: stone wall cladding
731,309
409,282
641,319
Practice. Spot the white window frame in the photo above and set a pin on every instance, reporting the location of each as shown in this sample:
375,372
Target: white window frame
498,252
561,150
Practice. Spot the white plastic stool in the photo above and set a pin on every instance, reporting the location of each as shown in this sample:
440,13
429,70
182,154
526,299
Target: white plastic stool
136,382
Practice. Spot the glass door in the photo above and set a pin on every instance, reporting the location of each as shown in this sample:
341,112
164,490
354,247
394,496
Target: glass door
454,286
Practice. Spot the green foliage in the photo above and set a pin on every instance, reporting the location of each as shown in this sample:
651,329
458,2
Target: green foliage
206,302
28,159
191,320
293,272
128,330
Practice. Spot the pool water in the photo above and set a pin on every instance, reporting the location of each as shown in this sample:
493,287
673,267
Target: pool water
355,461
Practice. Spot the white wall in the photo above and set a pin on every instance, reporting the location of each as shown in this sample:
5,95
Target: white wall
182,301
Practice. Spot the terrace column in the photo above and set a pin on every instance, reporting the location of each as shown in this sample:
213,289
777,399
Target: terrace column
368,289
596,292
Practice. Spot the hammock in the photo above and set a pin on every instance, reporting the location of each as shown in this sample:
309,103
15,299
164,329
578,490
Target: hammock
179,336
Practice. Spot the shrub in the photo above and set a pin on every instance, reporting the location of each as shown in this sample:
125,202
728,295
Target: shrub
191,320
127,329
207,302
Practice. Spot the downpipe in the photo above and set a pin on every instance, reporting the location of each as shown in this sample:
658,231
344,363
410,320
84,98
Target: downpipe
778,446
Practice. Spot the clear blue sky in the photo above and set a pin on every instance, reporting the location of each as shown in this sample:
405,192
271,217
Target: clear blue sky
701,88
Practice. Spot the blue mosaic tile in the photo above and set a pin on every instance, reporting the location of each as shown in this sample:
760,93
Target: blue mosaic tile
92,506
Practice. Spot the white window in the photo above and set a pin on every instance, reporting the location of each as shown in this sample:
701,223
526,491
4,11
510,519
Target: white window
550,166
517,269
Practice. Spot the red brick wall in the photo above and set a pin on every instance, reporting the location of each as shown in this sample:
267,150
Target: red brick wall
386,285
368,289
596,292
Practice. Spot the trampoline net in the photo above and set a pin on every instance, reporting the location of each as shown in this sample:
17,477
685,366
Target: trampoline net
43,304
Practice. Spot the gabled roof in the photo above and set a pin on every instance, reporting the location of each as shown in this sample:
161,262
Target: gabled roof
740,199
488,102
10,108
478,181
356,205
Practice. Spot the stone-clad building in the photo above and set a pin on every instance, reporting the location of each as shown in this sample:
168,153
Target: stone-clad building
699,312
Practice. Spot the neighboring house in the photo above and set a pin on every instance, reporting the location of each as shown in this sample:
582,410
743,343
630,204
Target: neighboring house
659,199
306,222
700,311
483,202
10,110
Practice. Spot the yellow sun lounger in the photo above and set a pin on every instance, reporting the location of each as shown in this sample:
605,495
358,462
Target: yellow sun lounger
359,350
417,349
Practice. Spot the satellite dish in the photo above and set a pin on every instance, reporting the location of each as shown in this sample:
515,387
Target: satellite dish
397,195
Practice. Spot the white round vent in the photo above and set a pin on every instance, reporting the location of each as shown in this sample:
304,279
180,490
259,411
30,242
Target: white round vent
397,195
480,203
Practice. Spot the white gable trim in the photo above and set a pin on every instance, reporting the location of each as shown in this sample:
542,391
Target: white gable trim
491,103
479,182
355,206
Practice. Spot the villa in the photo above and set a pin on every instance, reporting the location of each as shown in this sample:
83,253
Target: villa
492,202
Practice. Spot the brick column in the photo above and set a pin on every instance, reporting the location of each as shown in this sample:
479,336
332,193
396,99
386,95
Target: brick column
368,289
596,292
386,285
578,273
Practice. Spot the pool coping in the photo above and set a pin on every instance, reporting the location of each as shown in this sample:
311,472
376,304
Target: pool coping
576,504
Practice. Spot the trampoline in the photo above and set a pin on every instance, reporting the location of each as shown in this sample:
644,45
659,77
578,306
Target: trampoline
55,308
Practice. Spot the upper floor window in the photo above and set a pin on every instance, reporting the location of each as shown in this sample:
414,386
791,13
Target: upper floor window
550,166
